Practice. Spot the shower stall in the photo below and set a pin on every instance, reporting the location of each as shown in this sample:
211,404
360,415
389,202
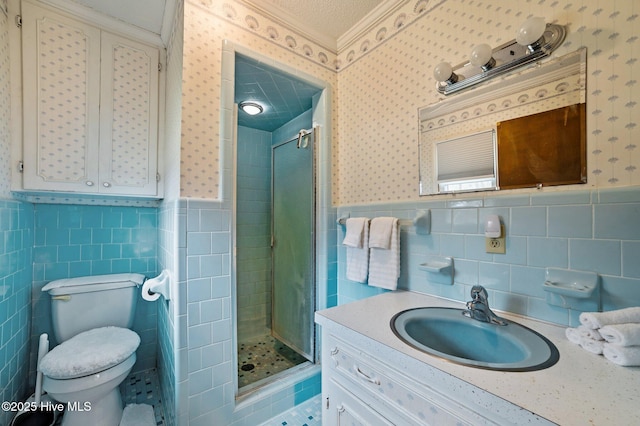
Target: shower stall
293,257
275,284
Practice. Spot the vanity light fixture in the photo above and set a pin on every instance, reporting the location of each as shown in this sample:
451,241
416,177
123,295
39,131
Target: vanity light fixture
251,108
534,40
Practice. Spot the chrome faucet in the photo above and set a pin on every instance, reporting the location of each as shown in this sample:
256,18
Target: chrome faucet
478,308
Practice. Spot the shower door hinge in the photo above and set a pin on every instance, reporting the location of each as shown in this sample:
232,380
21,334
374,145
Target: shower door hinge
159,66
18,21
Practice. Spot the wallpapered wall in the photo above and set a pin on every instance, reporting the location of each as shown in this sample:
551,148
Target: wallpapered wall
211,22
5,104
378,160
387,73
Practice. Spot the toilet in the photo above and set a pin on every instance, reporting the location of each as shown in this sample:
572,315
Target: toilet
92,317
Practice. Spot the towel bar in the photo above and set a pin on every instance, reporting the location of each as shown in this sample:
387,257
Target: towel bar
422,221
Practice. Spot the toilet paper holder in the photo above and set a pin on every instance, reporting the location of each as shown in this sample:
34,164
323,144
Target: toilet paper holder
153,288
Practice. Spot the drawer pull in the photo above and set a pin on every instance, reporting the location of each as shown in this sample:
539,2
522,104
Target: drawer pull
366,377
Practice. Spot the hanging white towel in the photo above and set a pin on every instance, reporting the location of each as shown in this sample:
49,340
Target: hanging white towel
620,316
622,334
380,233
627,356
358,257
354,234
384,264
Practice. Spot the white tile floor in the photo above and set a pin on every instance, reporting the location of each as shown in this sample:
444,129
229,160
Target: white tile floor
143,388
309,413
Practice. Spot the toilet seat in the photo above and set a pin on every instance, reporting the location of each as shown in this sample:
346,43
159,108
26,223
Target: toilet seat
58,387
90,352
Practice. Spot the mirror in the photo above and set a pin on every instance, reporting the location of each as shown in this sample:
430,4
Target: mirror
538,123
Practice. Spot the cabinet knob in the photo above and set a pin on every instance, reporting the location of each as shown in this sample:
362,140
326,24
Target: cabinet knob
89,183
106,184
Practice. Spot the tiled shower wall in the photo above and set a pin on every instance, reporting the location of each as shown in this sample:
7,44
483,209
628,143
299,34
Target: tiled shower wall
254,223
253,238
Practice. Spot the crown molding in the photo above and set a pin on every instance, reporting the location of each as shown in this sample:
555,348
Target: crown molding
370,20
287,20
105,22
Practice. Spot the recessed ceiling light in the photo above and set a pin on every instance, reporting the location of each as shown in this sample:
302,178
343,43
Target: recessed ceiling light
251,108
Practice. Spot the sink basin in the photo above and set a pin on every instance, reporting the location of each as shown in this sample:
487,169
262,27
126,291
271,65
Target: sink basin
448,334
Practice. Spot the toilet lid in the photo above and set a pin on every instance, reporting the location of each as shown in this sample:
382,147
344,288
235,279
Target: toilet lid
90,352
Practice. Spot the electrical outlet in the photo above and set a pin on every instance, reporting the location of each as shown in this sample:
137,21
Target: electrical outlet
496,245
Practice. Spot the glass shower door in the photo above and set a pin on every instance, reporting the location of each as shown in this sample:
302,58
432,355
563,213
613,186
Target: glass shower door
293,218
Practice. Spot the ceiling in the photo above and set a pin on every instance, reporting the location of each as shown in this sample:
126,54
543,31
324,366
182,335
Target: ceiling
325,20
282,96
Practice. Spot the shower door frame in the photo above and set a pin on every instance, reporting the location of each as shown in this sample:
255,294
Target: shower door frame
325,211
311,355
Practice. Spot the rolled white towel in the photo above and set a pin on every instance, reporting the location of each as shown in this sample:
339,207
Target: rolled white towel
600,319
573,335
627,356
593,346
622,334
589,333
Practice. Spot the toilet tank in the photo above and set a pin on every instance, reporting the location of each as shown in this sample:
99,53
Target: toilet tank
80,304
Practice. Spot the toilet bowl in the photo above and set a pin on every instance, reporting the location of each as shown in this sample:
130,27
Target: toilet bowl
84,373
97,350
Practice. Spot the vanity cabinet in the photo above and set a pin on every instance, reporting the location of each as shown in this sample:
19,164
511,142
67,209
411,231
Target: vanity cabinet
358,389
365,382
90,108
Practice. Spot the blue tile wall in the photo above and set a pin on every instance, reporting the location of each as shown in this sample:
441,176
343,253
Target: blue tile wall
16,239
253,238
168,236
580,230
78,240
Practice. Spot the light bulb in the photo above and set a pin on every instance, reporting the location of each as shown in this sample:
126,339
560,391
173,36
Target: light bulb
531,31
481,56
251,108
444,72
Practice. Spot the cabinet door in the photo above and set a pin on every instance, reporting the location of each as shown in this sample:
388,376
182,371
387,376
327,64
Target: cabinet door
61,94
128,117
345,409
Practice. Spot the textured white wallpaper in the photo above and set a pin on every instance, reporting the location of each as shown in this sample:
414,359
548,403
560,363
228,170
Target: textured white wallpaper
382,79
379,138
207,24
5,108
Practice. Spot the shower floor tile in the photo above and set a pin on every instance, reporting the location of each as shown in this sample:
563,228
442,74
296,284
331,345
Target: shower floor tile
262,357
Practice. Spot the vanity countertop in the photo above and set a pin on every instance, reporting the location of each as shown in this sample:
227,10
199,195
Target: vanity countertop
581,389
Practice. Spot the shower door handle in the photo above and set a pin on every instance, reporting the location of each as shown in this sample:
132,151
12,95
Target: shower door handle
273,241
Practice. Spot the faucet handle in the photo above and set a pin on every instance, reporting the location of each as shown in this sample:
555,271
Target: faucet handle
479,293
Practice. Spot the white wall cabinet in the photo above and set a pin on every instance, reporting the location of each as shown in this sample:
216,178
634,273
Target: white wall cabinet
90,108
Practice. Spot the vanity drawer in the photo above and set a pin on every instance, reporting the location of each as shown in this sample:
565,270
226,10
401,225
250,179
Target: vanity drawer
372,380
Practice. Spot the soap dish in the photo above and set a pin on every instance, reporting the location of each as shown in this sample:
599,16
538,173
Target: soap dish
440,267
571,289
